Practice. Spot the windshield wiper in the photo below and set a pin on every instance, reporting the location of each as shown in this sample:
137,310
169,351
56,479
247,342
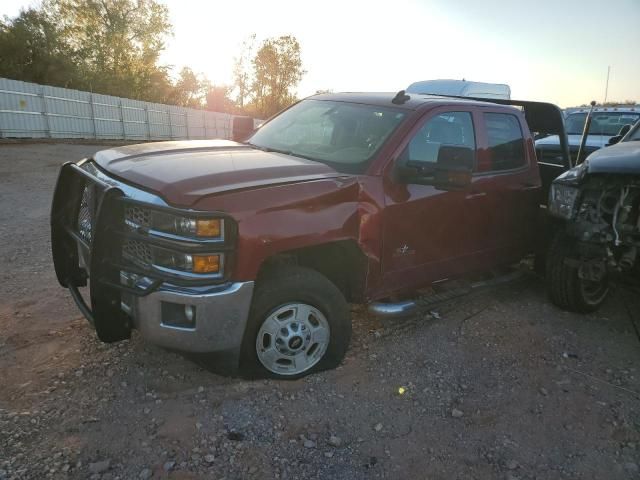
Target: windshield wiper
280,150
267,149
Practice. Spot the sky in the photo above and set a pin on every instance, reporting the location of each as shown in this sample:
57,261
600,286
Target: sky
547,50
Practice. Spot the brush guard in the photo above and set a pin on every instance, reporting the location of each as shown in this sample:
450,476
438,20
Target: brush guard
101,249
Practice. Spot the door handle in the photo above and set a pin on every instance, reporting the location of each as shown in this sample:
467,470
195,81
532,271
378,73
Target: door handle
523,186
475,194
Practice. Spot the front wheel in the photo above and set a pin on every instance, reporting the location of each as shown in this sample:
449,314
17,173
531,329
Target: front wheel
565,286
299,323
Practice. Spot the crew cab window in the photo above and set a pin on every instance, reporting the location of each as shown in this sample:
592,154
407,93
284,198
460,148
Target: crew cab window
451,129
506,143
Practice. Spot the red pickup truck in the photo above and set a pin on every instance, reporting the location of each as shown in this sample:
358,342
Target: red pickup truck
246,255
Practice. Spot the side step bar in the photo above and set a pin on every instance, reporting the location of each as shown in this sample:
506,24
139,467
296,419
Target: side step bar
408,308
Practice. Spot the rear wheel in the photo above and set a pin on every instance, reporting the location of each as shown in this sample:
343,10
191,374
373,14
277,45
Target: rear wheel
299,323
565,286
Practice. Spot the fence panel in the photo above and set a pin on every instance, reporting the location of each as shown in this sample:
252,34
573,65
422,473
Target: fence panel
68,112
29,110
21,115
135,120
195,124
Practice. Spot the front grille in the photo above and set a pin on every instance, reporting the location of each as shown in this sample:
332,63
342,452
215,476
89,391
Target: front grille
137,252
86,213
137,217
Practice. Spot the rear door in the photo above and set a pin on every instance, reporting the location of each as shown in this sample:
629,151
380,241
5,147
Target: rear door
507,173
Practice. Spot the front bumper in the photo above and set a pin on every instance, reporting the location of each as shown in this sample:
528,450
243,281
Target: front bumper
218,325
122,295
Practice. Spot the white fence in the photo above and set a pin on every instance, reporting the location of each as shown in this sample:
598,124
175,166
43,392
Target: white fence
29,110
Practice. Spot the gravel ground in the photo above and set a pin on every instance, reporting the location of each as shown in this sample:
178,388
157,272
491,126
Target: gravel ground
499,384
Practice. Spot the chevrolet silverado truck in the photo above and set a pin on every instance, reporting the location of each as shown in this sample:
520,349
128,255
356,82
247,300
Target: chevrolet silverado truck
597,233
246,255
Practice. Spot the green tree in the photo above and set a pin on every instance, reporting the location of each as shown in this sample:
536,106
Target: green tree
277,70
117,42
190,90
219,99
113,47
242,70
32,49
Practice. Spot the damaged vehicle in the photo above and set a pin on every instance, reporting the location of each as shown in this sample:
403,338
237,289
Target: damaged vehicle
246,255
597,228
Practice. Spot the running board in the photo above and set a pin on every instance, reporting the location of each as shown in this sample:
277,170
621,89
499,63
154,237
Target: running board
408,308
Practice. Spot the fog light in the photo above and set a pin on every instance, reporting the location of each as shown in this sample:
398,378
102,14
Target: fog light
178,315
190,313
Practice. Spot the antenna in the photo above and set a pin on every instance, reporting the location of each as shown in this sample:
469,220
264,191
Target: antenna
606,88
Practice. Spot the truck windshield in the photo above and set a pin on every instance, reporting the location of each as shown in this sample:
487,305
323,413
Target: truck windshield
344,135
602,123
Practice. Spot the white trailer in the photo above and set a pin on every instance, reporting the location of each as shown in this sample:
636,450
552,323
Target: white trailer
461,88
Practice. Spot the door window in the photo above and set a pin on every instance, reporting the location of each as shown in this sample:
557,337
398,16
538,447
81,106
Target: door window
451,129
506,143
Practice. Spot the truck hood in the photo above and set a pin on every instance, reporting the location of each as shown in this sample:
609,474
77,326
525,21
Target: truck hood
184,172
623,157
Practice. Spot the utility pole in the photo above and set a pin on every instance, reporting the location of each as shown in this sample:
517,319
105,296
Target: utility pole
606,88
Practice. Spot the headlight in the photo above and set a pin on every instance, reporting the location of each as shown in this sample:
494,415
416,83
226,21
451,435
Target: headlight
201,228
179,232
575,174
208,264
191,227
148,255
562,200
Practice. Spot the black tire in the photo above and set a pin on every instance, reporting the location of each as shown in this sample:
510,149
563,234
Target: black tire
284,285
565,288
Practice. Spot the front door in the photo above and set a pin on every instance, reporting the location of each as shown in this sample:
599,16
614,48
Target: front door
432,234
508,174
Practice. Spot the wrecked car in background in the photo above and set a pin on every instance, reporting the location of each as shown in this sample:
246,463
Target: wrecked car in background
597,234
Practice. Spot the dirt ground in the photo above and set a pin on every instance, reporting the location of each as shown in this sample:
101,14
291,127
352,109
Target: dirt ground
500,384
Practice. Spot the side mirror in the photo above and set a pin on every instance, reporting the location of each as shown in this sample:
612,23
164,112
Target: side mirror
452,170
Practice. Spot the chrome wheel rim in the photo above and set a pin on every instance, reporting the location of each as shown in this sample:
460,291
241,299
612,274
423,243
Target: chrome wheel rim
292,339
